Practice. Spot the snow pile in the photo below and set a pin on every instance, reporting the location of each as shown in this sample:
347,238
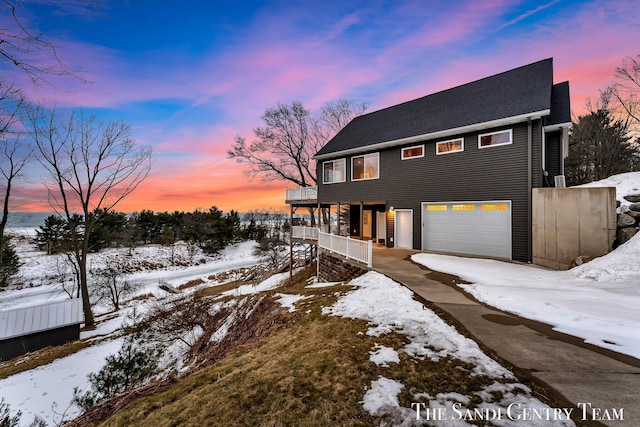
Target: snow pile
597,301
382,398
625,183
390,307
620,265
288,301
266,285
384,355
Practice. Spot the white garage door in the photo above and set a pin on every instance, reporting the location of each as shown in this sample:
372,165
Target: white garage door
474,228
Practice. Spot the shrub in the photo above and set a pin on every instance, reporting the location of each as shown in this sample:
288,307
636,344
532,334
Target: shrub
131,367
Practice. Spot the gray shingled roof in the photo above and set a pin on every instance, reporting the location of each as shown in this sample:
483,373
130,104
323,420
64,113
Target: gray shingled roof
560,105
513,93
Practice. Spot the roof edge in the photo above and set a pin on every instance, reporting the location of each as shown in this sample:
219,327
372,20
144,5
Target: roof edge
439,134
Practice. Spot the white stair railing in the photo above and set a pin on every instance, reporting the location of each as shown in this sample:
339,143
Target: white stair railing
355,249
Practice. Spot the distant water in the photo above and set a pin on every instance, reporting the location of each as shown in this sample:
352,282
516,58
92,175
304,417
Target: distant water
25,223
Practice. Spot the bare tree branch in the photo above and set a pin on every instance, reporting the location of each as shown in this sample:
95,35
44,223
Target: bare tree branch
29,50
284,148
625,93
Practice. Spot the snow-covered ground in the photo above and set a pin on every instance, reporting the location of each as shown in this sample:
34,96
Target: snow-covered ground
47,391
42,273
597,301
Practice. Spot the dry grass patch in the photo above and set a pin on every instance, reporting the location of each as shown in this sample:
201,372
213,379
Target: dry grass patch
191,284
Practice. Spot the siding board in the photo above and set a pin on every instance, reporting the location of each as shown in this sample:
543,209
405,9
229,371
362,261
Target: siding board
494,173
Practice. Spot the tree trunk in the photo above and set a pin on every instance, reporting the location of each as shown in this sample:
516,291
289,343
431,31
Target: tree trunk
84,287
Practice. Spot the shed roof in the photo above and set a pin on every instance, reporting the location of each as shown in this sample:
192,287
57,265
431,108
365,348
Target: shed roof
519,92
29,320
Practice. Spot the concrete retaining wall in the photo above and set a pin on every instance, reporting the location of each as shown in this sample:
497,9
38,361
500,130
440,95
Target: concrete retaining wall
572,222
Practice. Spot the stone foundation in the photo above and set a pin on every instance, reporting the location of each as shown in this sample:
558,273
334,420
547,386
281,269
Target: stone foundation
332,268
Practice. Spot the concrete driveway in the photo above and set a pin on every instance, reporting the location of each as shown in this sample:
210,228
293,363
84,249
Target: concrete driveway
596,381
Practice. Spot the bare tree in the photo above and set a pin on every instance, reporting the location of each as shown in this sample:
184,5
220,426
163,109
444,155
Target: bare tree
89,165
14,153
284,147
110,281
625,93
29,50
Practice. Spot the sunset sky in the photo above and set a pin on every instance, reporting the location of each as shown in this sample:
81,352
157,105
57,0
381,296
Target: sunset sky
189,76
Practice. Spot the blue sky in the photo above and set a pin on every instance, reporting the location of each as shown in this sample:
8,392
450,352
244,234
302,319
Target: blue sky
190,76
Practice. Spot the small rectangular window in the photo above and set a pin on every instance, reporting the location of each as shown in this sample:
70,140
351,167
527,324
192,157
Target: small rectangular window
493,139
436,207
452,146
494,207
365,167
334,171
464,207
413,152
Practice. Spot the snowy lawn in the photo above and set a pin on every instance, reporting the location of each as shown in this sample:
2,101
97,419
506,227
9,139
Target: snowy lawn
597,301
390,307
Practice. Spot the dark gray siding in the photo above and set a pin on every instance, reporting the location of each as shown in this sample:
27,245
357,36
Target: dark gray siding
18,346
494,173
552,154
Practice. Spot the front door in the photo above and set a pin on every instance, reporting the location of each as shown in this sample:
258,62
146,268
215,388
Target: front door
404,228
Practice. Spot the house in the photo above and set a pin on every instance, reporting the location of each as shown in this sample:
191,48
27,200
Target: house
453,171
27,329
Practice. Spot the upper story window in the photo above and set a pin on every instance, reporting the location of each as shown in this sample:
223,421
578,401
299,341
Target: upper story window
365,167
451,146
412,152
334,171
493,139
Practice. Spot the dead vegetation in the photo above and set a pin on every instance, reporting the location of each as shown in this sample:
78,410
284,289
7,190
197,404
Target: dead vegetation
247,324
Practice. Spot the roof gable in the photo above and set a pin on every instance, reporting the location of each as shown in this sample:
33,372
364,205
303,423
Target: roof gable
518,92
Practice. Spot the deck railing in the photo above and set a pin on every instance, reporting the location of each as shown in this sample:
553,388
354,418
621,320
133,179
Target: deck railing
302,193
304,233
358,250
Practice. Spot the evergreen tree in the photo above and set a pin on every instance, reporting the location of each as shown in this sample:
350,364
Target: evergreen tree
10,262
599,146
51,234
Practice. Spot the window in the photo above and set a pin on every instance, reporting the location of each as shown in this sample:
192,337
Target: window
365,167
436,207
412,152
494,207
452,146
493,139
334,171
464,207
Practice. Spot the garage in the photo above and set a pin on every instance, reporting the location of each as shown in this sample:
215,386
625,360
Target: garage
469,228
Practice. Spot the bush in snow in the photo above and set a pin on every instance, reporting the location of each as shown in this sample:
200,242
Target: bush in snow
134,364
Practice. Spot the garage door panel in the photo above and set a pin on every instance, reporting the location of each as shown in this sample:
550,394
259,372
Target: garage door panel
471,228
